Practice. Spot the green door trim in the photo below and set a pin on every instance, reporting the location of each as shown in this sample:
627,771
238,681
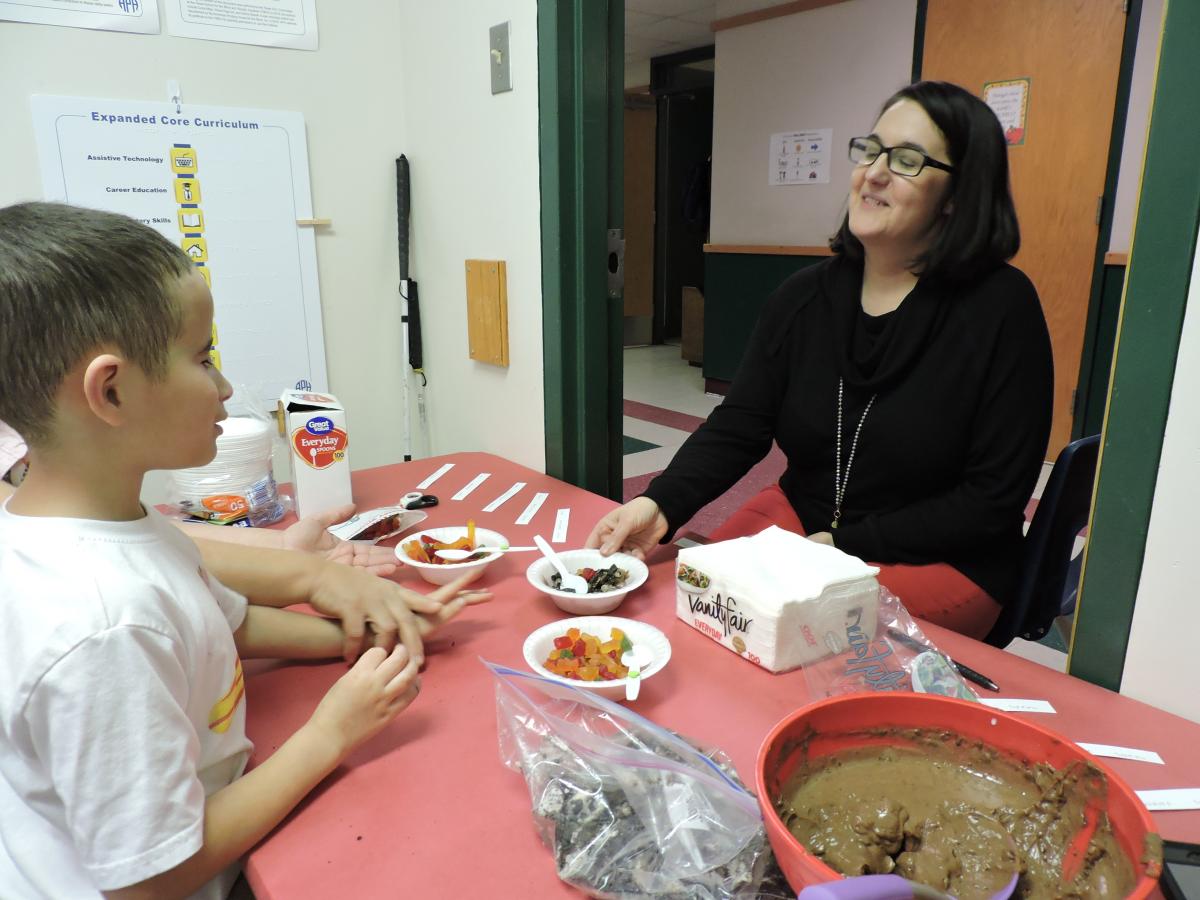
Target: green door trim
1090,390
579,140
1148,334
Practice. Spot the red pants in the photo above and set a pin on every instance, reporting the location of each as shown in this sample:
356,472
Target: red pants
937,592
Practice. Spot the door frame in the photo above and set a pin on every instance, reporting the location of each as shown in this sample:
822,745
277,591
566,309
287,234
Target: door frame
580,139
1157,281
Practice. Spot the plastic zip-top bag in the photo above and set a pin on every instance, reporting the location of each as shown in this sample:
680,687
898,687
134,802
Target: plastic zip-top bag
628,808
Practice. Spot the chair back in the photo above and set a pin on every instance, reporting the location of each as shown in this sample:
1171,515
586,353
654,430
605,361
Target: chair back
1061,514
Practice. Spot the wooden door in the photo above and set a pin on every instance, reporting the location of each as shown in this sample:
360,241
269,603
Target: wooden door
640,119
1070,50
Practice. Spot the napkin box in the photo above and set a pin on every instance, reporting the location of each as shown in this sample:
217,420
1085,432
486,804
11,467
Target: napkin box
777,599
314,425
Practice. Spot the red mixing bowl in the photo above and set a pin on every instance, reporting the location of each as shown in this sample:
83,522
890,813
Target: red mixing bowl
831,726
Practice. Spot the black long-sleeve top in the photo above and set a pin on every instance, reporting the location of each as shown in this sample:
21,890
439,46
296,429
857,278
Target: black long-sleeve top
950,450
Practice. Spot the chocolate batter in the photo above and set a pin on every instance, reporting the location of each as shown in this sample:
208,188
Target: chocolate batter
956,816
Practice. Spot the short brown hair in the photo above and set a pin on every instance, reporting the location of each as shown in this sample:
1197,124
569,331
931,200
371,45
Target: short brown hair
981,231
73,280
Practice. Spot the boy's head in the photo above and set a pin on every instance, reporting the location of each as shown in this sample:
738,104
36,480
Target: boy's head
99,315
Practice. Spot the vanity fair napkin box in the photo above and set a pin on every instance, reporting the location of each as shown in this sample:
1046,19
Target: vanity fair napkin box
314,425
777,599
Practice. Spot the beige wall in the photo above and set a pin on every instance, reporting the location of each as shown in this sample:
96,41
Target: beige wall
1162,667
411,78
826,68
1137,120
476,195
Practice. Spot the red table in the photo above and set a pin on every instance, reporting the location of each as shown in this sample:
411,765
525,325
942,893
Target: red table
427,809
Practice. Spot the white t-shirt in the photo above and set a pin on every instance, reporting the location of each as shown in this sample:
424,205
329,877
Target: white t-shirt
120,703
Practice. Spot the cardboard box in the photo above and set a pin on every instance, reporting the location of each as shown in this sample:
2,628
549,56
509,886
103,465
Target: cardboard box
314,426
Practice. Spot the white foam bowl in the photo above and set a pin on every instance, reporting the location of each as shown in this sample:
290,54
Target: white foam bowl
444,573
541,569
539,644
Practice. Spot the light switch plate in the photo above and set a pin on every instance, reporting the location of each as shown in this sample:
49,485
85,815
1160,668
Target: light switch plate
499,65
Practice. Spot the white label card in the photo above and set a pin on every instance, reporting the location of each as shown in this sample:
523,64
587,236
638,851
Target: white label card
1175,798
531,510
560,526
435,476
505,497
471,485
1122,753
1016,705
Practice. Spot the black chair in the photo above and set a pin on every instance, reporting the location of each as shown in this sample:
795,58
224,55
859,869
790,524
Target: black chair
1046,558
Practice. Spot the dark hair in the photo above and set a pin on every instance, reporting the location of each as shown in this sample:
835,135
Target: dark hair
980,232
73,280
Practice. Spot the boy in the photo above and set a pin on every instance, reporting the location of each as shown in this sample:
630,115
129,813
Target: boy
121,716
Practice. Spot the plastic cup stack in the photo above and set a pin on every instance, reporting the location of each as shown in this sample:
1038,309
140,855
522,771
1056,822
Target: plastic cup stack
241,468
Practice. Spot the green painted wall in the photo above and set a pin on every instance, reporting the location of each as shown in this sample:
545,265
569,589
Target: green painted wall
736,285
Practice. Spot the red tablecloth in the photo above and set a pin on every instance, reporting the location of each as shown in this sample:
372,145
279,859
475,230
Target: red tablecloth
427,809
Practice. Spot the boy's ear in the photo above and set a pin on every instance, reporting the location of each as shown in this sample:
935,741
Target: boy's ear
103,387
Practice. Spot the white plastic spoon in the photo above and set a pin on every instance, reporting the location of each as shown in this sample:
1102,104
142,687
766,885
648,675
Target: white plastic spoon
458,555
636,658
571,583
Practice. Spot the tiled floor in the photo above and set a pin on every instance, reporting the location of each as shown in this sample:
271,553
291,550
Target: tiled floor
658,377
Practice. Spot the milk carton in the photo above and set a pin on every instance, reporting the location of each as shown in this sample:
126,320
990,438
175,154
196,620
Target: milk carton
778,599
314,426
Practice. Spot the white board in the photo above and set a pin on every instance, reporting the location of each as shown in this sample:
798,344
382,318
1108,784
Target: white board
225,184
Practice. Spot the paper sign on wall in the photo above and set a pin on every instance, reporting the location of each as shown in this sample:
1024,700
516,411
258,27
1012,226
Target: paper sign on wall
226,186
291,24
134,16
1009,100
800,157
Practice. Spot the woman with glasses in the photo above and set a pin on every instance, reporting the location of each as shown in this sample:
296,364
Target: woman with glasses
908,379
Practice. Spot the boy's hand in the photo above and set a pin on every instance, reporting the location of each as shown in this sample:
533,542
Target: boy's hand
374,610
310,535
427,623
366,698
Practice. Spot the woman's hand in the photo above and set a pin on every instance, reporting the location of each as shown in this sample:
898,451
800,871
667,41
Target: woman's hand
822,537
635,528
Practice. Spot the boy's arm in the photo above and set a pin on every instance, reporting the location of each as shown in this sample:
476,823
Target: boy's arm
281,634
309,535
360,600
237,817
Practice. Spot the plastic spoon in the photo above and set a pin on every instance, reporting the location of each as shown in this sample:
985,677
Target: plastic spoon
458,555
571,583
636,658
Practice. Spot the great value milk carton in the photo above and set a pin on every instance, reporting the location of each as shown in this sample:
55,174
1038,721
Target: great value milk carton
314,426
778,599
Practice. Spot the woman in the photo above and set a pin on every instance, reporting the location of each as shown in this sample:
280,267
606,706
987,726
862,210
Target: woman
908,379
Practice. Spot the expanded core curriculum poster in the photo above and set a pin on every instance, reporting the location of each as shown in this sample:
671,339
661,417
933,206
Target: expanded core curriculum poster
226,185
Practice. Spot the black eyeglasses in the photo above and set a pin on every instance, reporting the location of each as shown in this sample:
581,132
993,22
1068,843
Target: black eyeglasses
906,161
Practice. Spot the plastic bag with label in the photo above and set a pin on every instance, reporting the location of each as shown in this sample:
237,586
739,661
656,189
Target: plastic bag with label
894,656
629,808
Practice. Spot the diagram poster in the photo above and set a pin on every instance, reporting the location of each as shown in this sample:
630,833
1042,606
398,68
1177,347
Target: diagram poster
227,186
800,157
271,23
135,16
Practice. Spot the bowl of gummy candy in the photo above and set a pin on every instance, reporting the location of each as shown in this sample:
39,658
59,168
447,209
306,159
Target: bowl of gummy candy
587,652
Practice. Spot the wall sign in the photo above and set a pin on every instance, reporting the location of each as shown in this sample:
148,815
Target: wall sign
1009,100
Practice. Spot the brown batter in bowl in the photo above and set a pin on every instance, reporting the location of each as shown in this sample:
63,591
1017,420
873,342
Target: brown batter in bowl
955,815
952,794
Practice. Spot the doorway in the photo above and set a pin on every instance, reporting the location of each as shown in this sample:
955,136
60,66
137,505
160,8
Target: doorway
1058,161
